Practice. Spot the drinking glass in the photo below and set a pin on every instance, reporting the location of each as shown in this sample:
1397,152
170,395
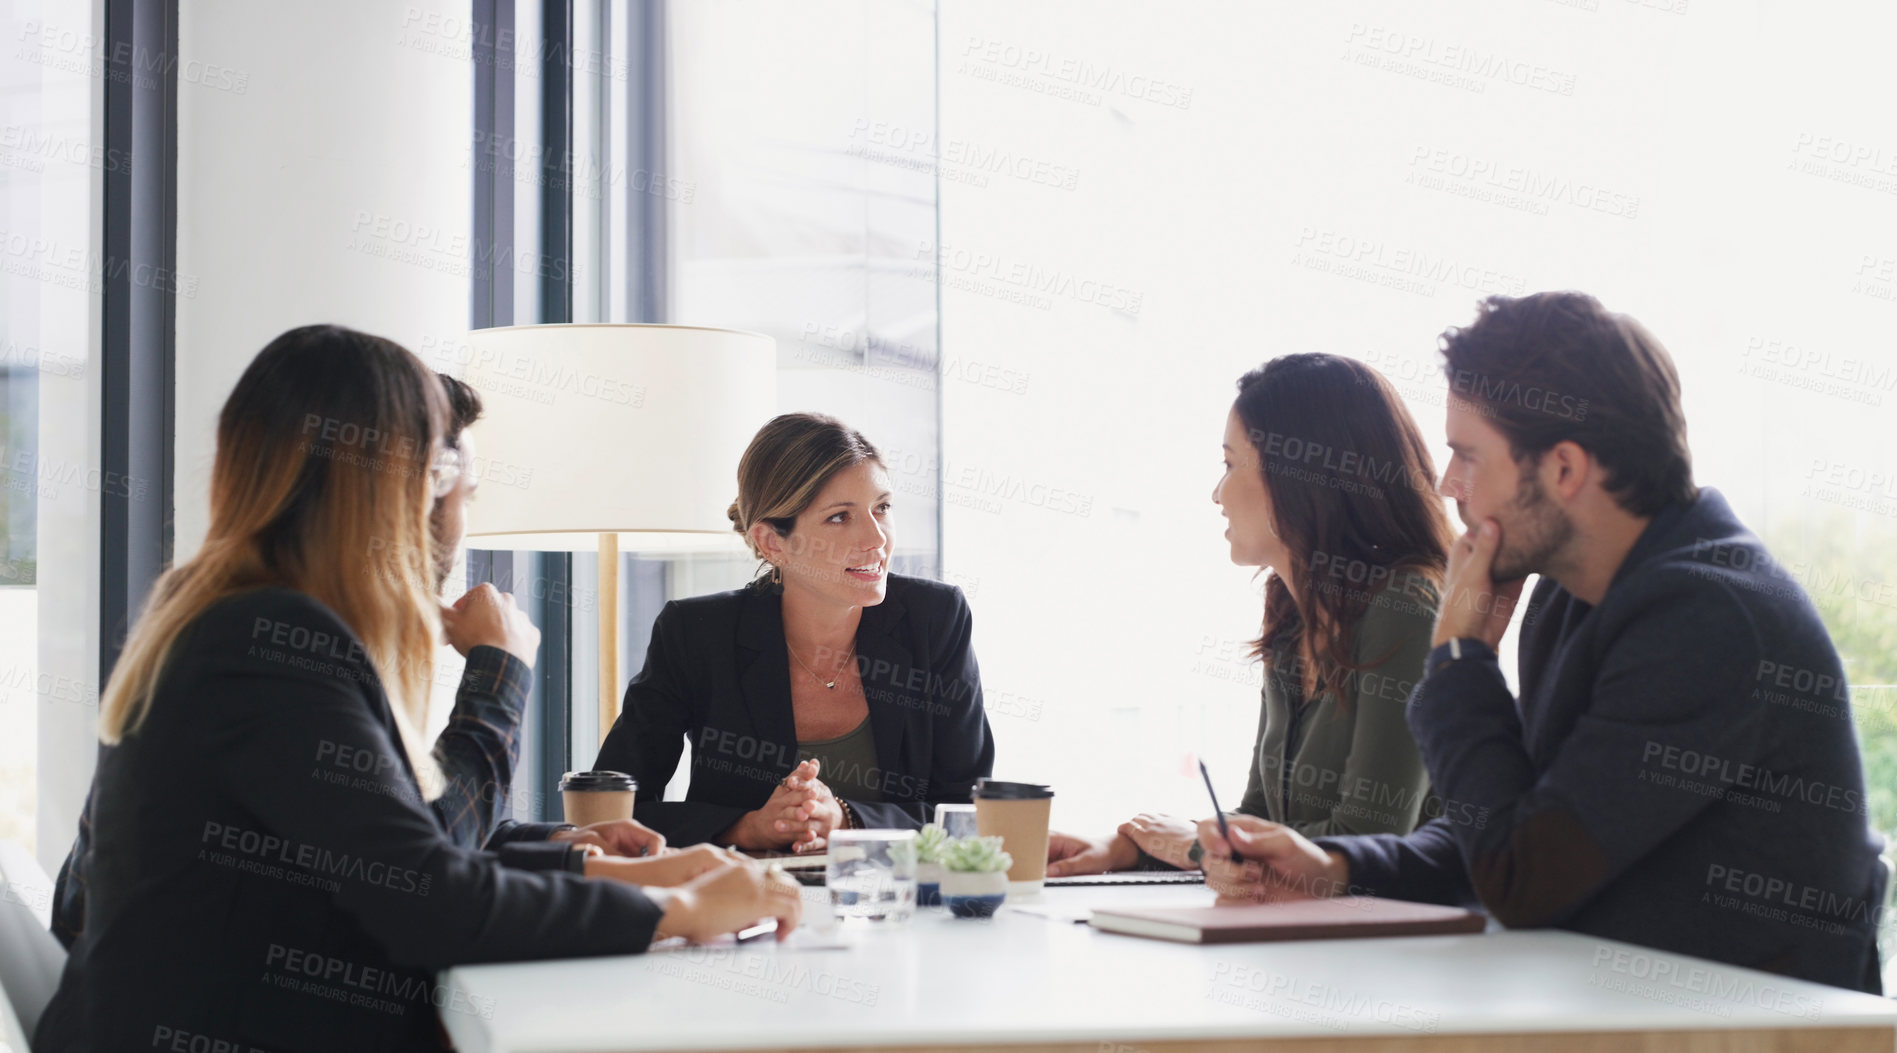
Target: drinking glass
956,820
872,874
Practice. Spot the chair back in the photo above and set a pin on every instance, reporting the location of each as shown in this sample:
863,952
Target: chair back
30,958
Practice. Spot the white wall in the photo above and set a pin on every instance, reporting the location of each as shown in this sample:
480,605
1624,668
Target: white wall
334,188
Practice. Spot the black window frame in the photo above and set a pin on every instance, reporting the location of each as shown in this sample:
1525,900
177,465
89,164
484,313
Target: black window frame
137,311
540,581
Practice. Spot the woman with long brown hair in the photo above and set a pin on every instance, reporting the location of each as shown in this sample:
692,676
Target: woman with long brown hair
479,748
1329,486
260,811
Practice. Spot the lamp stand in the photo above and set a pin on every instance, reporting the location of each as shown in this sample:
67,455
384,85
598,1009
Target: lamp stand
608,633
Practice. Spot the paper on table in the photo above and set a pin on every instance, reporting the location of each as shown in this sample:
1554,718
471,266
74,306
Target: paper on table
1074,915
792,861
804,938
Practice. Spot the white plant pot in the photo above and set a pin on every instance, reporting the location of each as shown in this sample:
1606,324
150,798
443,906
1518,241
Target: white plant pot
970,894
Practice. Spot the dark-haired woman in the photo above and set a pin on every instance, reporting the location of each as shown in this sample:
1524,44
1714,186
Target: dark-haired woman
265,870
1329,485
829,693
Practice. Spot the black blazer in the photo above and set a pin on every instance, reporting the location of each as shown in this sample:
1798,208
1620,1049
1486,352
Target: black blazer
263,873
717,673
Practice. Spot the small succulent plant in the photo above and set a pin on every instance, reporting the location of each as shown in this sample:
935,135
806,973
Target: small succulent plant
931,842
903,851
978,855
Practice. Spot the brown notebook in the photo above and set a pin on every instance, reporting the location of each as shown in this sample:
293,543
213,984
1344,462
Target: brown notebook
1342,918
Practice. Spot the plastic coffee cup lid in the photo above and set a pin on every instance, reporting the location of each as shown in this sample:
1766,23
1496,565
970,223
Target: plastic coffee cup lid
596,781
997,790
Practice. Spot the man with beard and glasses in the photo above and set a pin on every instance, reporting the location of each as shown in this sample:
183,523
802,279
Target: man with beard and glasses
1680,770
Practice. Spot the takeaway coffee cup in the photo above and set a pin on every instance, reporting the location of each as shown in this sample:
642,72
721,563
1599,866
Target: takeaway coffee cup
1017,812
596,796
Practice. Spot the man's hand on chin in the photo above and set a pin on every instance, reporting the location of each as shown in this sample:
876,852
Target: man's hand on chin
1474,606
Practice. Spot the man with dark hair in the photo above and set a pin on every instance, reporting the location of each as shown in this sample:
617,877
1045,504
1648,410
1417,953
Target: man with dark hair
1667,777
447,522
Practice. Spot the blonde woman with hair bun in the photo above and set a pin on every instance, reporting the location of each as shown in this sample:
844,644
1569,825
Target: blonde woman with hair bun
829,693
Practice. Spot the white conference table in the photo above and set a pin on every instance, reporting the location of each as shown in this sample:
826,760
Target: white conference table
1020,981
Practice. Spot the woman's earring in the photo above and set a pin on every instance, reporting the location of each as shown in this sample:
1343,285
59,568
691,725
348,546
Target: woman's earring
777,574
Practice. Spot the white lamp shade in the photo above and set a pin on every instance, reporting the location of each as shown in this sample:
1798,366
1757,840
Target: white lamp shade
590,429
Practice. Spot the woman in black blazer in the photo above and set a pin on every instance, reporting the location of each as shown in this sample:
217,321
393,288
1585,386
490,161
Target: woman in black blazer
479,748
827,694
265,870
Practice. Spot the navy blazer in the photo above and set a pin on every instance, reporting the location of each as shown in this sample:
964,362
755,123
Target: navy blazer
717,673
1681,772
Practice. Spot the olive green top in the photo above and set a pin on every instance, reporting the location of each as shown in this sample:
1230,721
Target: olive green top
847,764
1347,765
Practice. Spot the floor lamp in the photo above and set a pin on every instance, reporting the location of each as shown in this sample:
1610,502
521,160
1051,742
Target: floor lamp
590,431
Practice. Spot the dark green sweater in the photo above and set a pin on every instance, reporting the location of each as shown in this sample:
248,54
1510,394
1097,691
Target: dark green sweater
1344,762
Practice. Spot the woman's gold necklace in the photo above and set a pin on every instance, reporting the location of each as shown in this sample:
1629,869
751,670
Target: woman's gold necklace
832,682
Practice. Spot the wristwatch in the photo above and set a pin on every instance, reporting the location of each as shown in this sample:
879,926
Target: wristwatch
1196,853
1455,649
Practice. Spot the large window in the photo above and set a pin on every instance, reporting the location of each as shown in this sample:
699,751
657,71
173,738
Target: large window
800,227
687,163
50,486
1138,207
1135,210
